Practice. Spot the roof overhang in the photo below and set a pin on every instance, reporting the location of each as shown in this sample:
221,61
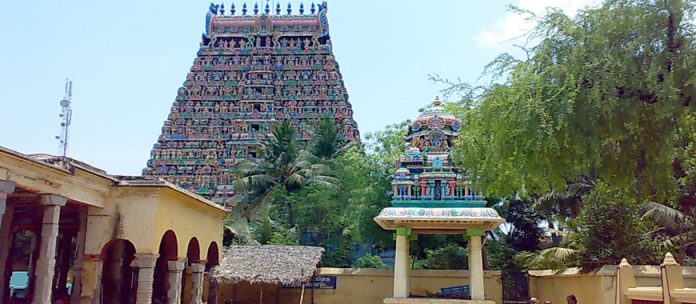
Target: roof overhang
443,220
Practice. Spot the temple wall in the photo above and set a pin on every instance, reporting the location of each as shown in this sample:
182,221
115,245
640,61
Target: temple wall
598,287
365,286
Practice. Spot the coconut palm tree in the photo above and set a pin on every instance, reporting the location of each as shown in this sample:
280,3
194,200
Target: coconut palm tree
676,228
284,167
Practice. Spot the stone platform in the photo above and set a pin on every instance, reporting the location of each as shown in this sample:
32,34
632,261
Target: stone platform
433,301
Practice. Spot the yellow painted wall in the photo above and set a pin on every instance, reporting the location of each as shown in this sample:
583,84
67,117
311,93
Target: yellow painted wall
587,288
191,219
598,287
128,214
365,286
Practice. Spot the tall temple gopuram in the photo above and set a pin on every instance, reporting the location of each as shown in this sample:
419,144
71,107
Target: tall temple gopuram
253,69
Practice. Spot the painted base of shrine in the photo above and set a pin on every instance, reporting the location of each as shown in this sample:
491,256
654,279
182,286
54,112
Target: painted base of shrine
433,301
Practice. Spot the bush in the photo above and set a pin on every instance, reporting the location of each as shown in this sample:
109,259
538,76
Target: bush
369,261
451,256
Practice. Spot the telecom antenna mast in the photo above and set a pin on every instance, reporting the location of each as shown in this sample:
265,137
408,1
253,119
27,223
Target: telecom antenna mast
66,116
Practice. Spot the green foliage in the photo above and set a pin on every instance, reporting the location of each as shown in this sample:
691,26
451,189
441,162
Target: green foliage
525,234
601,95
612,230
450,256
325,143
369,261
500,254
606,97
284,238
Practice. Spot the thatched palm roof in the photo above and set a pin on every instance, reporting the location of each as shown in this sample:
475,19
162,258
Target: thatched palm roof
268,264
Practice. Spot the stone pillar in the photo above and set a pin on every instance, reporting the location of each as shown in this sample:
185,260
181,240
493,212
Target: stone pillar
671,274
475,264
197,271
174,273
6,213
625,279
45,266
77,268
212,292
145,262
90,283
402,263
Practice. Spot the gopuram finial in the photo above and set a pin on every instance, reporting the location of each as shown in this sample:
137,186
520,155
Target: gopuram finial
232,10
301,8
256,8
267,9
312,9
278,8
437,101
289,8
244,9
222,9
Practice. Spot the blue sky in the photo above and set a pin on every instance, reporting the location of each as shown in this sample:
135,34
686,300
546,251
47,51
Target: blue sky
128,58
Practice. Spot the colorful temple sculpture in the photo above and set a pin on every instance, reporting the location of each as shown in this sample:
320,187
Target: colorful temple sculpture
433,196
252,71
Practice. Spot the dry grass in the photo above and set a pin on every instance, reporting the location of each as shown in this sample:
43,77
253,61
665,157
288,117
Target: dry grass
268,264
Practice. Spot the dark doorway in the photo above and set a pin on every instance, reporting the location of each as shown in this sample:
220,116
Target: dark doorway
118,284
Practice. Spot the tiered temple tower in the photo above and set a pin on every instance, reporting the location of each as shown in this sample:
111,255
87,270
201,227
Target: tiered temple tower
433,196
252,70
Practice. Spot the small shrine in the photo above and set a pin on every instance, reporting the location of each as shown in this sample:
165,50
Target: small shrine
433,196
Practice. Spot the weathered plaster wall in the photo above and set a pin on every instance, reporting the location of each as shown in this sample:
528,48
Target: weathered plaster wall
368,286
128,214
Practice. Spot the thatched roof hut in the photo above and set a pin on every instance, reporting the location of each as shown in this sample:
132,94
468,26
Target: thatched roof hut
268,264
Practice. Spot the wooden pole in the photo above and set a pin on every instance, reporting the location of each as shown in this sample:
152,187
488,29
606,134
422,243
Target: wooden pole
302,294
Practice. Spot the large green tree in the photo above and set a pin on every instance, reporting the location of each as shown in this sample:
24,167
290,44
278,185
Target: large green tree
606,97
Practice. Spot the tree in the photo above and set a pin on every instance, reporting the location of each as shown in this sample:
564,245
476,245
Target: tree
612,230
525,233
604,95
370,261
283,168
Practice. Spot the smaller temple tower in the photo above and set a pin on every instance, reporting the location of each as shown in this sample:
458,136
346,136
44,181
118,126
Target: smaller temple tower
433,196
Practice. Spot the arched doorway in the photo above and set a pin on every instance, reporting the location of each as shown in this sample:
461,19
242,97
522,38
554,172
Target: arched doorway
167,252
213,259
117,279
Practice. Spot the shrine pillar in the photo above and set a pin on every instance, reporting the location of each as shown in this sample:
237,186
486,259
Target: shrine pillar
6,214
174,274
476,263
145,262
402,262
197,271
46,263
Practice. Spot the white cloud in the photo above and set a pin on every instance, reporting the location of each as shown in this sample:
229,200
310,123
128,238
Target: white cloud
515,25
